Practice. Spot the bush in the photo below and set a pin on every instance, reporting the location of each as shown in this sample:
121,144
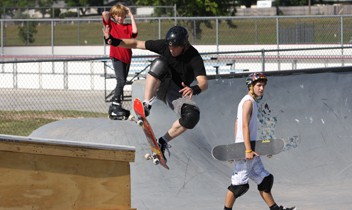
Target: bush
68,14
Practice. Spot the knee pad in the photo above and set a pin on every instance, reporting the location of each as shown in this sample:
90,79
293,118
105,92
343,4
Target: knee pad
159,68
266,184
189,116
238,190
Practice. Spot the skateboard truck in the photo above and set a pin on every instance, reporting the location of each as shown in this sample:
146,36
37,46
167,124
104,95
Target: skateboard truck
133,119
153,157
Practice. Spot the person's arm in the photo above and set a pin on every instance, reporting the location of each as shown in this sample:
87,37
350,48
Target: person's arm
126,43
133,22
202,82
235,128
246,117
195,89
106,16
132,43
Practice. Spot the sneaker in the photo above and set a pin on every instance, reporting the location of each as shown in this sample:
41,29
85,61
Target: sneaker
116,112
147,108
116,107
285,208
163,146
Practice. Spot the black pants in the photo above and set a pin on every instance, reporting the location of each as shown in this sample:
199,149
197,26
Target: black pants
121,72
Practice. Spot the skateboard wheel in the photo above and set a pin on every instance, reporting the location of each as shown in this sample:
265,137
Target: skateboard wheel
147,156
140,122
156,161
131,117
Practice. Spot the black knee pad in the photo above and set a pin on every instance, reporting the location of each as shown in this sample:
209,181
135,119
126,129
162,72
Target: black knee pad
238,190
159,68
189,116
266,184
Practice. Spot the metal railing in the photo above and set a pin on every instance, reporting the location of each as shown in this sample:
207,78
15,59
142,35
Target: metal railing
53,89
93,73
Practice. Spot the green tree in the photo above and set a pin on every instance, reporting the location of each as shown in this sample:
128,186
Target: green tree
84,4
247,3
26,29
194,8
12,7
45,7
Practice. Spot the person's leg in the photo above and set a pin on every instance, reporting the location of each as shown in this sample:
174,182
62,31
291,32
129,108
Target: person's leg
268,197
175,130
265,190
120,73
229,200
239,184
116,111
156,83
265,182
185,108
151,86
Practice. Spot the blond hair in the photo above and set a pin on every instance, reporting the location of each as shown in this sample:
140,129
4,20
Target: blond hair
118,10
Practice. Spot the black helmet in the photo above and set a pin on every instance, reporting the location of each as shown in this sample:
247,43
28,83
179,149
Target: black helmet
177,36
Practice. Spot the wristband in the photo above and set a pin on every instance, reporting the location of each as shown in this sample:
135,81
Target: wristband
196,89
106,40
249,151
114,42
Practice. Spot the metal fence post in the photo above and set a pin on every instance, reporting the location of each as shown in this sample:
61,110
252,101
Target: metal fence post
52,37
15,82
40,75
278,42
217,34
65,66
342,37
263,60
2,37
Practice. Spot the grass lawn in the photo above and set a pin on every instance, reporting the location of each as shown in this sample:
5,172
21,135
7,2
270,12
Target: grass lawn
231,31
23,123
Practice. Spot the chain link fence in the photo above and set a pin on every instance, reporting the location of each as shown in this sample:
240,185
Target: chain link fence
35,92
37,89
219,31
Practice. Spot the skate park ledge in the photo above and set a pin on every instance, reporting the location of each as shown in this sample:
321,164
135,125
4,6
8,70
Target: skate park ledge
60,174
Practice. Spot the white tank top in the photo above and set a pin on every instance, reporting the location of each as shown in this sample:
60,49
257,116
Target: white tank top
253,126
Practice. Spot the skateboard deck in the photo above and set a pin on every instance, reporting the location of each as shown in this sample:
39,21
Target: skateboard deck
156,156
236,151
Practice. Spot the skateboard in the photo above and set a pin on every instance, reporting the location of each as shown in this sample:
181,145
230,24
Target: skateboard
156,155
236,151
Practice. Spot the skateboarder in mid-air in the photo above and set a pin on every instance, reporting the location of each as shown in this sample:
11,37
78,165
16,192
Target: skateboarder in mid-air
246,131
170,77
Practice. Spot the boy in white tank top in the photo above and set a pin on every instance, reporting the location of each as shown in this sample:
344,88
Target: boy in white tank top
245,131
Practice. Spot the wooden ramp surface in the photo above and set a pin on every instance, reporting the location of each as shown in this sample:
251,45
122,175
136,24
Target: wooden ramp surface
55,174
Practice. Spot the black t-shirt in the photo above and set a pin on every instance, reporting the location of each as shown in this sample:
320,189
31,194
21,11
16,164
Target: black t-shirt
185,67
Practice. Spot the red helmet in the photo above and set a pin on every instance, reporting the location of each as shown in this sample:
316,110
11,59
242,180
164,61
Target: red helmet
257,76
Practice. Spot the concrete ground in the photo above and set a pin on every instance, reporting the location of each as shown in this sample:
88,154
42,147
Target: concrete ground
311,111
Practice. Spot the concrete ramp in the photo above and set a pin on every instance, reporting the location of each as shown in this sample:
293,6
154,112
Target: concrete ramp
311,111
